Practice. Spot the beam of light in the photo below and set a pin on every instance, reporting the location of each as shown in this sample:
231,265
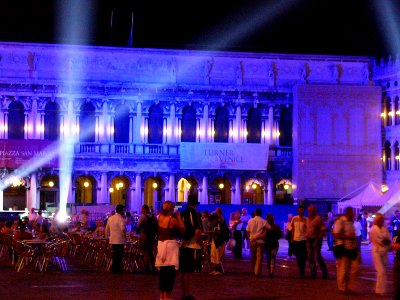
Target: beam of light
389,24
76,27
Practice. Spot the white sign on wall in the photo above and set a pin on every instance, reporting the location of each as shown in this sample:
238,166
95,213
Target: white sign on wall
229,156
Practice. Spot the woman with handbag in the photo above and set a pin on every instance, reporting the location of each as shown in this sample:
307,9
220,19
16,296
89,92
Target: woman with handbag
380,239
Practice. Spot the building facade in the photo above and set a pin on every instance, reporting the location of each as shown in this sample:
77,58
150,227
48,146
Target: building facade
148,125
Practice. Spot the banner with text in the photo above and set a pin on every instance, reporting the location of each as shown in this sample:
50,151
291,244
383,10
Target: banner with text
227,156
17,153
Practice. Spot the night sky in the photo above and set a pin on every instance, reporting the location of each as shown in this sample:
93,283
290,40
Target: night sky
343,27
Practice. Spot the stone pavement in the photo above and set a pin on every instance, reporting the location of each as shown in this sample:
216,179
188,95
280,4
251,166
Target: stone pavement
237,282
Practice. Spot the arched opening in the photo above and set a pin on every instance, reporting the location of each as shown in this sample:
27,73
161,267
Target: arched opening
285,127
14,196
87,123
221,125
153,192
253,192
121,124
16,120
85,192
155,125
221,191
186,187
283,192
254,126
49,193
387,156
118,190
52,121
188,124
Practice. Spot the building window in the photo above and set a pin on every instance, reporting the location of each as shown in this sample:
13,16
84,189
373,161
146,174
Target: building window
188,124
87,123
285,127
396,156
121,124
221,125
52,121
155,125
254,126
16,120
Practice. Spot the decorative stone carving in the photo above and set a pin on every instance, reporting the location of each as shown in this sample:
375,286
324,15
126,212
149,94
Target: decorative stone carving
272,74
208,67
305,72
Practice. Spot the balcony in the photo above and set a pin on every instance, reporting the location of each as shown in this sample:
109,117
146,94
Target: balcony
157,150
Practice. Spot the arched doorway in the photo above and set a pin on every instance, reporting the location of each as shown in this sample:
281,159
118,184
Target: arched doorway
14,196
186,187
253,192
153,192
118,190
221,191
49,193
85,192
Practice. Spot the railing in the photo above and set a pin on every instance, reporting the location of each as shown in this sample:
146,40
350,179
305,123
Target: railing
152,149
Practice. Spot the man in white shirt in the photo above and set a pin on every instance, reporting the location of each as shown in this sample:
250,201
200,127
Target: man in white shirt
116,232
256,230
298,226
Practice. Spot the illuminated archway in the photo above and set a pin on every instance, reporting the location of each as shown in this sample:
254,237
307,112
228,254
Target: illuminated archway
85,190
253,192
221,191
153,192
186,187
14,196
117,190
49,193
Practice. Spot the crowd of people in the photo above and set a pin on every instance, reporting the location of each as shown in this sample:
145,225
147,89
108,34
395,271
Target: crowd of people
172,240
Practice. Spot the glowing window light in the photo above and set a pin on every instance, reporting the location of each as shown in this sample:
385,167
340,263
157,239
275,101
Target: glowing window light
221,186
254,186
188,186
245,133
247,188
397,157
398,112
86,184
111,189
286,186
213,132
51,183
383,115
384,188
155,185
390,113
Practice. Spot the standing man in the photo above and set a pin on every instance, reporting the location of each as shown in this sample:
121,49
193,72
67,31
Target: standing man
190,243
116,232
395,223
315,232
346,259
256,230
329,234
147,227
299,244
242,226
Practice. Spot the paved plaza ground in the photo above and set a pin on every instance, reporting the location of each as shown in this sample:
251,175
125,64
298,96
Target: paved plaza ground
81,282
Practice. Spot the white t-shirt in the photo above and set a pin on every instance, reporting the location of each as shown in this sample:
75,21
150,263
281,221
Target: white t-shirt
299,227
255,227
115,229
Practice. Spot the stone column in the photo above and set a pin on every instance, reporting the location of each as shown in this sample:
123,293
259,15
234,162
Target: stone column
130,128
238,126
392,111
138,201
238,193
172,125
269,193
205,191
205,125
103,195
138,132
171,185
102,123
35,128
6,125
32,193
132,203
26,125
270,125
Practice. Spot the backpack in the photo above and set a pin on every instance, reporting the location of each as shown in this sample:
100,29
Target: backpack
150,228
192,220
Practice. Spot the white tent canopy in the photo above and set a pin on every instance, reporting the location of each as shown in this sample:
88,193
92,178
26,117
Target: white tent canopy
390,198
367,195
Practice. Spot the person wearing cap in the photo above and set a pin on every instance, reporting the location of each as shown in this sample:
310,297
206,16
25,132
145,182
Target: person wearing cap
116,232
190,243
